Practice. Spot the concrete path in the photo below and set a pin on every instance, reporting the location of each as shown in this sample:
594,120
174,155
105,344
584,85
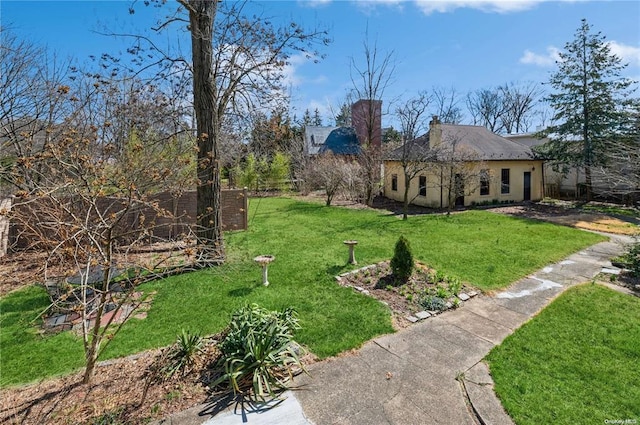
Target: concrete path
431,372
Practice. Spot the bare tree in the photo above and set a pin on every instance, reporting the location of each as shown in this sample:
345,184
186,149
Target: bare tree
237,61
370,80
487,107
34,101
445,105
82,198
328,172
87,211
460,170
519,103
414,155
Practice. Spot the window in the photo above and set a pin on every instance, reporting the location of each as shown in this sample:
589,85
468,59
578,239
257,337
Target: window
394,182
484,182
422,186
504,181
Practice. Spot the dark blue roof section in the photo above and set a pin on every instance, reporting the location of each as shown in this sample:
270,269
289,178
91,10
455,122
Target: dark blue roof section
342,141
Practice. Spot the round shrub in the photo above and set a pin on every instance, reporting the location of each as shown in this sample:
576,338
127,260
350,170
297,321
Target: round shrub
402,261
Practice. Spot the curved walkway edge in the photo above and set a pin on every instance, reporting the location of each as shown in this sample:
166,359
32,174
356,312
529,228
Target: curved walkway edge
429,373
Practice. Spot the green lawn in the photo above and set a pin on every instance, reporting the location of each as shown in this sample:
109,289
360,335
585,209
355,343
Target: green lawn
577,362
486,249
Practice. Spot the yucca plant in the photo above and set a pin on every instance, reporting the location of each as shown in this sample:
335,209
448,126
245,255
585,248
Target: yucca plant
258,352
182,356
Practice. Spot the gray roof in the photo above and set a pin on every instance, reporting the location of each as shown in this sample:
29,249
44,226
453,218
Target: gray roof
339,140
487,145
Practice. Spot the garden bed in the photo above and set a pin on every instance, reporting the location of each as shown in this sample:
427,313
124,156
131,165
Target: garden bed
425,294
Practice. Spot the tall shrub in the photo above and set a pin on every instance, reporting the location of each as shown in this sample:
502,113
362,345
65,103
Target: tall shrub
402,261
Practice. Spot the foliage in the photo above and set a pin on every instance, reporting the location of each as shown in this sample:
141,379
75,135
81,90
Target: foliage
181,357
591,104
433,303
574,362
258,352
631,258
402,261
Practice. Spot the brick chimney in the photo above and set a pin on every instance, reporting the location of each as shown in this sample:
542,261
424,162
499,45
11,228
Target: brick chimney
435,132
367,114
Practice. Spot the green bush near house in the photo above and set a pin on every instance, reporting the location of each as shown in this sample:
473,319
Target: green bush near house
488,250
577,362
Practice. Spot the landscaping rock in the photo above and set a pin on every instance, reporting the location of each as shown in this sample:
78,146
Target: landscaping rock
423,315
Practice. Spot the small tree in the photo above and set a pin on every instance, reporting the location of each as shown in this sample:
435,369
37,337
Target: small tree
327,171
402,261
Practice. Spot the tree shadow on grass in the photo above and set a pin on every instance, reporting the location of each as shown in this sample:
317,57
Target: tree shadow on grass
240,292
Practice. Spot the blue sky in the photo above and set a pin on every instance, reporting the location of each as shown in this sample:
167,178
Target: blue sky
465,44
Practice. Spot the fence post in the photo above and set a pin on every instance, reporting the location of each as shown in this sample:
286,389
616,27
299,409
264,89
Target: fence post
5,208
245,206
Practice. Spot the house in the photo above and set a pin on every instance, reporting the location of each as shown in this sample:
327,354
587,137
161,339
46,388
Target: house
463,165
365,114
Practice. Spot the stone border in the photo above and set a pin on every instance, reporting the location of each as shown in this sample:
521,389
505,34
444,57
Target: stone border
418,316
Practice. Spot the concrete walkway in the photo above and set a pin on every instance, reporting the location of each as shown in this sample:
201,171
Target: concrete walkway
429,373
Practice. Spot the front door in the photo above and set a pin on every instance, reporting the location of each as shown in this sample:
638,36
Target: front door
527,186
459,190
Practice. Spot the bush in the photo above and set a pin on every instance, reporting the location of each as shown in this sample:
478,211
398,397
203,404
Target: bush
258,352
402,261
433,303
181,357
633,259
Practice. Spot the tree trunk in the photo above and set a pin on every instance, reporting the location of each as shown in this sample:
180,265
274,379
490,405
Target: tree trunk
209,218
405,209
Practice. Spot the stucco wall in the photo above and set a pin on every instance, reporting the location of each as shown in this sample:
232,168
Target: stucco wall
435,195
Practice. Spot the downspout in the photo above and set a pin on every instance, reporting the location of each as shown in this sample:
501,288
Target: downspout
544,186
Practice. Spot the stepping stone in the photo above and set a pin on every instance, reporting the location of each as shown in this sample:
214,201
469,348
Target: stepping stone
412,319
473,293
423,315
53,321
610,271
365,291
463,297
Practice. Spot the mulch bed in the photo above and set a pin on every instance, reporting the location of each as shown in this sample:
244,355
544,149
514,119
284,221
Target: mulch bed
114,396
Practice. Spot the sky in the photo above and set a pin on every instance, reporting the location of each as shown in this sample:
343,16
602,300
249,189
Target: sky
462,44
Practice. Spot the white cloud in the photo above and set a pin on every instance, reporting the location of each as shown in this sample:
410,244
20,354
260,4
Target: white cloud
496,6
630,54
314,3
292,77
547,59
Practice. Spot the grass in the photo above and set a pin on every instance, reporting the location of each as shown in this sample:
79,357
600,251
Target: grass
577,362
486,249
611,209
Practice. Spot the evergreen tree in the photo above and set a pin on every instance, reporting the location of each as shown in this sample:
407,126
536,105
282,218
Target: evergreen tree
590,103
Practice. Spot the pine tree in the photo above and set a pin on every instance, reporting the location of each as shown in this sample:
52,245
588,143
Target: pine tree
590,102
402,261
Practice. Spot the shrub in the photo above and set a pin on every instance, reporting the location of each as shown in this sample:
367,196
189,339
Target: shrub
633,257
433,303
258,352
181,357
402,261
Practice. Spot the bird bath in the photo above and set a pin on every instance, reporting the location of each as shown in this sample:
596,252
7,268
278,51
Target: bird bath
352,255
264,261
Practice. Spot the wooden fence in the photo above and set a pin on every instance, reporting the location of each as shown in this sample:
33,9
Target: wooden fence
181,217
